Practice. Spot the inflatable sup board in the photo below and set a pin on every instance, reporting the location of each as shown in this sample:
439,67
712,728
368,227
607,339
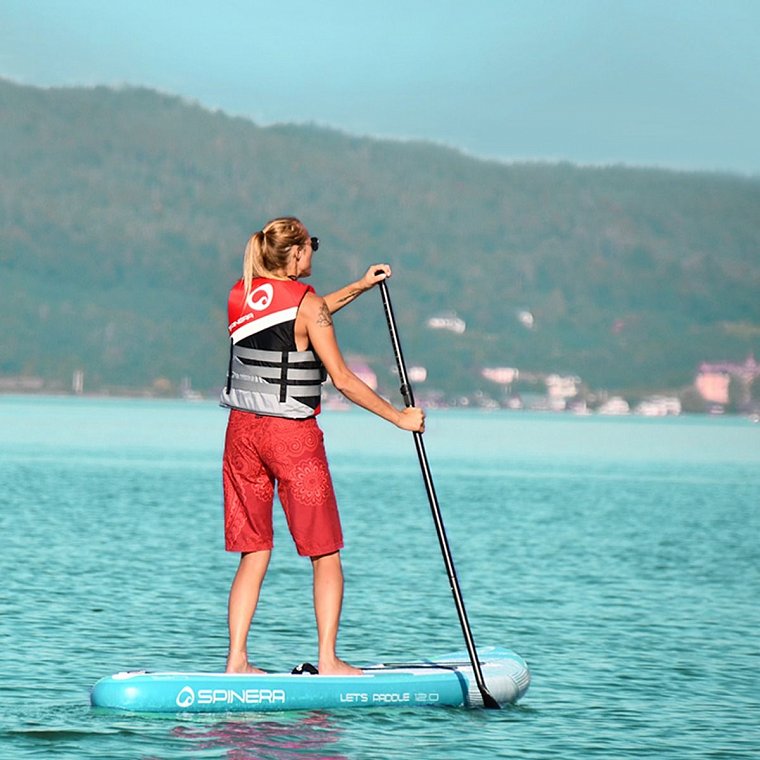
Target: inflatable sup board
445,680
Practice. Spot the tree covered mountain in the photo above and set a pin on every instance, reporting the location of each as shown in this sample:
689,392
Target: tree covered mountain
125,213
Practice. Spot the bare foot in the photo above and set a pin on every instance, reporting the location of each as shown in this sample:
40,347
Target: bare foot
239,664
336,667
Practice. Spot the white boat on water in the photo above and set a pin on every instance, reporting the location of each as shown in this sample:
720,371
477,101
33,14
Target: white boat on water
659,406
615,405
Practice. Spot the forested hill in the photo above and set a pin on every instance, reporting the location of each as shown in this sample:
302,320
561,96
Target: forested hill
125,214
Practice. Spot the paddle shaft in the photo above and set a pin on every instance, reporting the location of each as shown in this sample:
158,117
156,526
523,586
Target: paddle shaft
406,392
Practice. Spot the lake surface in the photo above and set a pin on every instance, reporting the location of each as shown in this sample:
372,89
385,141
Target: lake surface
619,556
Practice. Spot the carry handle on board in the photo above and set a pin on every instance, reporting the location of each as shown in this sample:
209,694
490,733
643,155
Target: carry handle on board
406,392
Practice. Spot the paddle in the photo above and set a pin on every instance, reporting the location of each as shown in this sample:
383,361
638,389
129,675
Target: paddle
406,392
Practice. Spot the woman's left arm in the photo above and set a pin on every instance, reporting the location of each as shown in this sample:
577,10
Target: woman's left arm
350,292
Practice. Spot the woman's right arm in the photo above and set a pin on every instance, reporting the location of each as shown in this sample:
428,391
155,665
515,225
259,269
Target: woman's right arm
319,325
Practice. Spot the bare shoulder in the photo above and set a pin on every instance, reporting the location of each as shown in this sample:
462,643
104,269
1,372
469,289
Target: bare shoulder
315,311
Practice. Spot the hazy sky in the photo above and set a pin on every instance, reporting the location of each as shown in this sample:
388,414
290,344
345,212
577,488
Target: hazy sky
672,83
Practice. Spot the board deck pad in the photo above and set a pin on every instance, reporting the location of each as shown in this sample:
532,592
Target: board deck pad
446,680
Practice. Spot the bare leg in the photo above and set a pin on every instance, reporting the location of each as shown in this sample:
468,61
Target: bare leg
244,596
328,600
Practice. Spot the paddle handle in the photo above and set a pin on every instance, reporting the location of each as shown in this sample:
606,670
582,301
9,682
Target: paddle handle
406,387
408,396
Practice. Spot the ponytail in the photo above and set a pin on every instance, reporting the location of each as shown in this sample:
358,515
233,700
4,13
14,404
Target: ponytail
253,259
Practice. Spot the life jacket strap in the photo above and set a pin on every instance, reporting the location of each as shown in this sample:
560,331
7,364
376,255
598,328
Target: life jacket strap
273,389
274,357
284,377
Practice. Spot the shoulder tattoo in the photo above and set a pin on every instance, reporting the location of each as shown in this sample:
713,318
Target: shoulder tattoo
324,318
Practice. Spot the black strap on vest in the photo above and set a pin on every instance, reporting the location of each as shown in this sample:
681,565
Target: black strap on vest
229,369
284,378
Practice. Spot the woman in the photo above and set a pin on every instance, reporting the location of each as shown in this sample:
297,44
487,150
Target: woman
282,341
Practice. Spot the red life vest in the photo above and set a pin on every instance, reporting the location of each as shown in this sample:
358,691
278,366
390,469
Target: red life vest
267,374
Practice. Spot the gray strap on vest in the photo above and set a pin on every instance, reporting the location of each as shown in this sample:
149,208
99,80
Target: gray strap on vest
274,373
273,389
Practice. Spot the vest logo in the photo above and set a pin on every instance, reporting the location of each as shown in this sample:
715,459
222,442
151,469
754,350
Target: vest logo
261,297
186,697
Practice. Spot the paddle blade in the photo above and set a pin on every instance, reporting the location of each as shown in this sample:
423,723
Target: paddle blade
488,701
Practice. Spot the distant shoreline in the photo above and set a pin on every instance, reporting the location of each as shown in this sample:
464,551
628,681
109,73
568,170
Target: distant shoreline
331,405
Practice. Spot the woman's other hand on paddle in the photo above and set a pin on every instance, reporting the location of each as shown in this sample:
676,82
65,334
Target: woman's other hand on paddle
412,419
376,273
340,298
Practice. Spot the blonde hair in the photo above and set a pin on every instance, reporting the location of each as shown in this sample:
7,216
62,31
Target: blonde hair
268,249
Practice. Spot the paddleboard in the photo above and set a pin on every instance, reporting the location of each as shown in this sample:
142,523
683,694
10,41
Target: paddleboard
446,680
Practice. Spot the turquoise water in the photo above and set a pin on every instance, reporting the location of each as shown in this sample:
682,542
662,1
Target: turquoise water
619,556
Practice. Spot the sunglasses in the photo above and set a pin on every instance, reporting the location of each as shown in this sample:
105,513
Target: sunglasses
314,243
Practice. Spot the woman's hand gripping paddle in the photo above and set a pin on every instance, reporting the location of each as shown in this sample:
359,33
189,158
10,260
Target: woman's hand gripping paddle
406,392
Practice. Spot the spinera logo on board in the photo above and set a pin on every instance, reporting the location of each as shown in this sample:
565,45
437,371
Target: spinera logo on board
188,697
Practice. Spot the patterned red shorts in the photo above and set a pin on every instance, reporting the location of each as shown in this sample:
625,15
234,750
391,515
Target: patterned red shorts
260,450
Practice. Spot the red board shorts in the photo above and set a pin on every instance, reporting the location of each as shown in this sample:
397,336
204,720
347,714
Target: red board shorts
260,450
